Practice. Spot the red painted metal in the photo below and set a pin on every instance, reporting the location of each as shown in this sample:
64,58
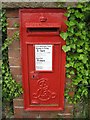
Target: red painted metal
43,89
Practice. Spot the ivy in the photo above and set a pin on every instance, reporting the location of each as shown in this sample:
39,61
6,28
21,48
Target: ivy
77,49
10,89
8,40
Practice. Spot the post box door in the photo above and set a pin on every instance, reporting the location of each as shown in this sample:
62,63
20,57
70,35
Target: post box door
44,73
44,59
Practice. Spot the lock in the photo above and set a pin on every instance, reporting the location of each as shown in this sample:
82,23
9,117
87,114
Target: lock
34,75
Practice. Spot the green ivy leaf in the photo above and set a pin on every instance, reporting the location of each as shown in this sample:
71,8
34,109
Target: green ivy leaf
79,15
79,6
85,59
67,14
73,46
81,25
68,76
72,72
66,48
64,35
79,50
71,29
71,23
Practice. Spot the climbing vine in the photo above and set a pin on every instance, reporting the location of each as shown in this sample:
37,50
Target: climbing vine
10,88
77,49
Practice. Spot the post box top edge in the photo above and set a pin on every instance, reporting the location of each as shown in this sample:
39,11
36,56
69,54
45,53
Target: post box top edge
43,10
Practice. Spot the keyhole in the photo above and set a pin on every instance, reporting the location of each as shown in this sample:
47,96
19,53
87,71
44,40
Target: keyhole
33,76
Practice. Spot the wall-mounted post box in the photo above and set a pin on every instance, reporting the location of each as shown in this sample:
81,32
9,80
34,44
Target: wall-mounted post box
43,60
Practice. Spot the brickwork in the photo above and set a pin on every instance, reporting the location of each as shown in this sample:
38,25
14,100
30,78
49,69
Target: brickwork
14,48
15,67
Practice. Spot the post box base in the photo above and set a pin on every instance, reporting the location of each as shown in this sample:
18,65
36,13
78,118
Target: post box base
19,111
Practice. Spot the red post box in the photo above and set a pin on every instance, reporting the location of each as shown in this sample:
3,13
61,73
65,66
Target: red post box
43,60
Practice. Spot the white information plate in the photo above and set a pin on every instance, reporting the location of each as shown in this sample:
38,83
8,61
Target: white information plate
43,57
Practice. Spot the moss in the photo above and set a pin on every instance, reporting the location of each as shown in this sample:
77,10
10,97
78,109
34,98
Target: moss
35,4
